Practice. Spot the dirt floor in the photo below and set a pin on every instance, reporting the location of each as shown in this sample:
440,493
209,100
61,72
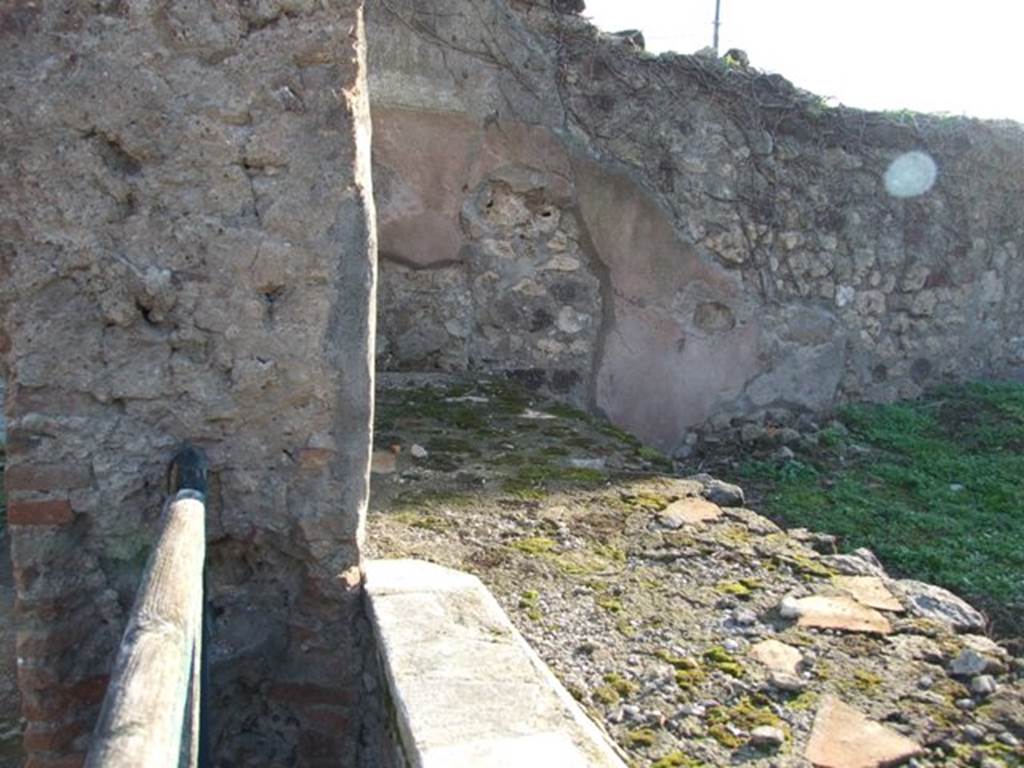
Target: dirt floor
652,595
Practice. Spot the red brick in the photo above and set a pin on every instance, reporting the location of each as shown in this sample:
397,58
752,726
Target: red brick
57,703
67,761
47,477
21,442
38,678
46,737
56,512
50,610
54,640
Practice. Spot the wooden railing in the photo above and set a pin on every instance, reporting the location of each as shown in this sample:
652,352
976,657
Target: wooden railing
151,716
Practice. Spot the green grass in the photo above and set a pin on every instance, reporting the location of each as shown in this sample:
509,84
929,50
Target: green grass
890,484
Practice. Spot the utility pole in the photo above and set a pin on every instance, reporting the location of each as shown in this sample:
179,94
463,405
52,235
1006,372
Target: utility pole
718,23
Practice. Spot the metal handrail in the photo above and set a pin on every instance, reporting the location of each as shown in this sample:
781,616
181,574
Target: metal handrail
153,715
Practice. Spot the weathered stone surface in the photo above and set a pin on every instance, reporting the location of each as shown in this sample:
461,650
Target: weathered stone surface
188,253
829,612
915,647
483,260
659,374
938,604
852,565
723,493
870,591
767,737
786,682
986,646
842,737
983,685
970,662
688,511
740,264
467,689
10,702
777,656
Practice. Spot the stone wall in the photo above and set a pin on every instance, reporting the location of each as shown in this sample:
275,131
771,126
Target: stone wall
671,240
10,702
187,252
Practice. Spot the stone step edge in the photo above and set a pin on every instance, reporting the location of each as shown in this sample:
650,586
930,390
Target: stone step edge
439,628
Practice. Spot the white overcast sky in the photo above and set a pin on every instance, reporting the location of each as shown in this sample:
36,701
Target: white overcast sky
926,55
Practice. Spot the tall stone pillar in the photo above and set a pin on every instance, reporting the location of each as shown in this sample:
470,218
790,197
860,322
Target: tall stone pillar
187,251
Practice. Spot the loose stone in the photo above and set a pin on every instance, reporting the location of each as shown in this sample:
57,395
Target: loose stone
1008,739
974,733
688,511
724,494
870,591
767,736
786,682
840,613
842,737
983,685
968,664
744,617
777,657
938,604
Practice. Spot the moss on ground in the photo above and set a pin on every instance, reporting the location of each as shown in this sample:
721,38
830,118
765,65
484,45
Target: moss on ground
641,737
529,601
423,520
677,760
721,659
534,545
748,713
528,522
609,603
742,588
623,687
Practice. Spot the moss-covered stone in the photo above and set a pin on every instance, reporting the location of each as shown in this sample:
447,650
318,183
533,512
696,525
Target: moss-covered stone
534,545
720,732
529,601
748,713
609,603
677,760
688,679
866,681
803,701
721,659
805,565
605,694
646,500
641,737
623,687
422,520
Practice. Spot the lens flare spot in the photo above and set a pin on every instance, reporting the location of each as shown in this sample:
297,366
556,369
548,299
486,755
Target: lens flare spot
911,174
